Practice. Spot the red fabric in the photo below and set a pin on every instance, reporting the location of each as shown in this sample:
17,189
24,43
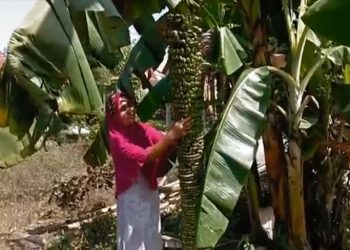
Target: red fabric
129,147
155,170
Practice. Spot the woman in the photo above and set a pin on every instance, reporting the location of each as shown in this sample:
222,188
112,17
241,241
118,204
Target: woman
138,151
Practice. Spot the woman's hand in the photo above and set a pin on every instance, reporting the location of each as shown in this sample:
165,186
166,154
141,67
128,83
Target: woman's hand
181,128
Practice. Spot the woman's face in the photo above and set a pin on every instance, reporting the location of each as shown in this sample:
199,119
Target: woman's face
126,111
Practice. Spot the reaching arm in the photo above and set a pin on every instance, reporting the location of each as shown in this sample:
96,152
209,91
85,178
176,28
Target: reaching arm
161,146
179,129
142,155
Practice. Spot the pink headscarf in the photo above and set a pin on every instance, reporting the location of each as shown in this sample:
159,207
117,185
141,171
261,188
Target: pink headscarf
129,147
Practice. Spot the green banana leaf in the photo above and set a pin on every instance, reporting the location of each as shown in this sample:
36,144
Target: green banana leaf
16,118
340,96
101,35
97,154
52,27
232,154
153,34
23,122
153,99
147,53
328,19
230,51
15,148
131,10
339,55
346,73
26,115
105,6
46,72
11,148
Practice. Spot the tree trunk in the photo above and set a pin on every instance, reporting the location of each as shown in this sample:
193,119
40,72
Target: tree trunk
276,167
187,90
297,224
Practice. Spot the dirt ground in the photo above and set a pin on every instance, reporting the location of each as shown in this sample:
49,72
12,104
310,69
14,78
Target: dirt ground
25,190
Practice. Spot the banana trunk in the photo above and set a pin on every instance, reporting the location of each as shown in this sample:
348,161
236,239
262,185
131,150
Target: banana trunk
297,224
276,167
187,91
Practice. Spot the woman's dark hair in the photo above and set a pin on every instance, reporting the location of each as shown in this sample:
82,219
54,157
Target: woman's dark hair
110,107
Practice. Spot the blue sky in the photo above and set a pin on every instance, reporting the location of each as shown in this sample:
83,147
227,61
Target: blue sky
14,11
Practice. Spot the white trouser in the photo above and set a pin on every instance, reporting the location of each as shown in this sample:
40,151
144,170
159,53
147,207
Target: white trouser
138,218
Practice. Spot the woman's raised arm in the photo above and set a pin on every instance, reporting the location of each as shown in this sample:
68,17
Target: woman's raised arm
179,129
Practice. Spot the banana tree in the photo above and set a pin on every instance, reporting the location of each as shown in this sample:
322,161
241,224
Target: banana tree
297,81
294,109
88,39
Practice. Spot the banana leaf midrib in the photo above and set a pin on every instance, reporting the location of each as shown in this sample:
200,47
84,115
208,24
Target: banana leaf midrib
221,125
246,107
